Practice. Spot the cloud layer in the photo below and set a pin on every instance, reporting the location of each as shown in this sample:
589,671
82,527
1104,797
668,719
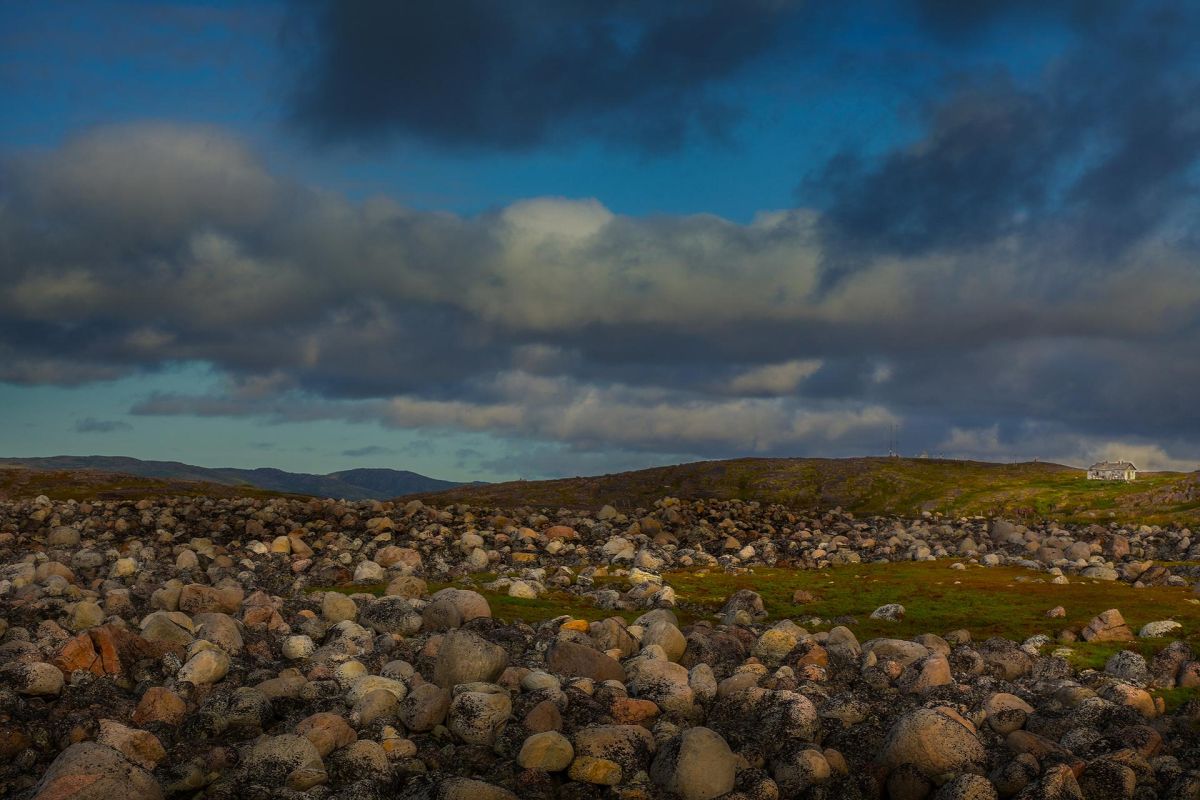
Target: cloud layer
556,320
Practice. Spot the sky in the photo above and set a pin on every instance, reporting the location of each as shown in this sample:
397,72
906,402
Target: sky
486,241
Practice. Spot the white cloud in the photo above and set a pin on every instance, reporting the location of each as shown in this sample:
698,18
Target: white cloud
775,379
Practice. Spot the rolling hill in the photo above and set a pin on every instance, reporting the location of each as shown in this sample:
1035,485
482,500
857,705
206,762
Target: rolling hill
903,486
355,484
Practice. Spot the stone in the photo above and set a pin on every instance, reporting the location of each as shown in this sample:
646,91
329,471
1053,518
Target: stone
377,704
369,572
902,651
631,711
220,629
548,751
469,789
170,628
159,704
424,708
362,685
92,771
934,672
326,731
695,765
630,747
774,645
1159,628
391,615
666,636
358,760
478,717
86,614
1057,783
796,769
297,648
743,608
664,682
337,607
35,679
967,787
466,657
935,742
1128,665
407,586
62,536
450,608
1108,627
205,667
893,612
198,599
600,771
580,661
544,716
1107,779
286,759
141,747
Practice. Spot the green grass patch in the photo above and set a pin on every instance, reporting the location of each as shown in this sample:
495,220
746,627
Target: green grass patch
1000,601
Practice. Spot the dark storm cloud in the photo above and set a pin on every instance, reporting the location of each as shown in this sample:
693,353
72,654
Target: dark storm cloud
93,425
1090,157
511,75
953,19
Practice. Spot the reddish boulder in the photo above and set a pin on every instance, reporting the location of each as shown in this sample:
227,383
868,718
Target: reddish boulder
103,651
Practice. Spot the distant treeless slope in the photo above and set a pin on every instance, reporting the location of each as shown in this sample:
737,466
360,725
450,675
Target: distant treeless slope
84,484
355,484
903,486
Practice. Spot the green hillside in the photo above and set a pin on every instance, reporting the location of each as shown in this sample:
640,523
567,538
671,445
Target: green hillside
867,486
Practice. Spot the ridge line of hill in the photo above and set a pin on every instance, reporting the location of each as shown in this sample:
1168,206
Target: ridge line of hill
352,484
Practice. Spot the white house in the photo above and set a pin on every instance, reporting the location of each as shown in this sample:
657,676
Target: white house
1112,471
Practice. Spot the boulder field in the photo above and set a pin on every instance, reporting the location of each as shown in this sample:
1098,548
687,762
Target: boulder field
195,648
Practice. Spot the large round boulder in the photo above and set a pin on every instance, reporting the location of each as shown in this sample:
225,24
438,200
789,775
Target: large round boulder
696,765
935,742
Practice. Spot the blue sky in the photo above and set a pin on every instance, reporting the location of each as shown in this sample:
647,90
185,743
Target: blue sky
524,240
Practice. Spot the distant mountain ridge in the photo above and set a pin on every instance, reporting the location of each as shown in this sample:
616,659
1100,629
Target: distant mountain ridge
351,484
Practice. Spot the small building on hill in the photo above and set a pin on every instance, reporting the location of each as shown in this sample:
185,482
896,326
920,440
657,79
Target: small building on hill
1112,471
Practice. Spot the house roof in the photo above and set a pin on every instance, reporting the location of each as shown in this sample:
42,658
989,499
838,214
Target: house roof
1122,465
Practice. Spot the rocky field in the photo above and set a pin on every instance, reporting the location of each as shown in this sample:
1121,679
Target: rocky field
263,647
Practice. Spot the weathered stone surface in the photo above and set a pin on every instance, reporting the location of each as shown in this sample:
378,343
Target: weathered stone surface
141,747
1108,627
549,751
465,657
935,742
696,765
577,660
90,771
286,759
450,608
160,704
425,707
478,717
103,651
